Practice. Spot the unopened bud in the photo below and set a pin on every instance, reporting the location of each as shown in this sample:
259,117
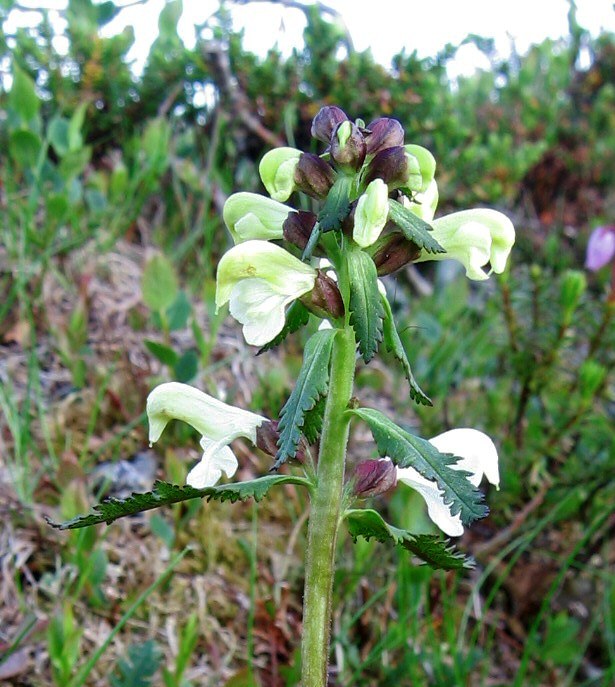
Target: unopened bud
373,477
348,147
427,164
573,287
371,213
267,436
325,298
326,122
313,176
383,133
397,168
298,227
277,170
393,251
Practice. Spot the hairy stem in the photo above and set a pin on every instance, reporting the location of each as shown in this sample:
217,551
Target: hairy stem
325,514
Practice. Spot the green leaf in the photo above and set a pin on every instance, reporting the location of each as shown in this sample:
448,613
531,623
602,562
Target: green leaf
164,494
158,283
24,147
165,354
337,205
58,135
23,98
139,668
312,425
74,162
75,138
186,367
394,345
366,310
429,548
407,450
414,228
179,312
297,316
312,383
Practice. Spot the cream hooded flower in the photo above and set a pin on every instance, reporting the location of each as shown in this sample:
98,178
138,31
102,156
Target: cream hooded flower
259,279
217,422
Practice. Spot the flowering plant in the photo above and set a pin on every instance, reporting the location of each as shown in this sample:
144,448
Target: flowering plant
378,199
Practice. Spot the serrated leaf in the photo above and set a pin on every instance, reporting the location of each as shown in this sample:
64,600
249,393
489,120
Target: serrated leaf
436,552
158,283
407,450
337,205
297,316
165,354
312,426
312,383
165,493
394,345
366,311
414,228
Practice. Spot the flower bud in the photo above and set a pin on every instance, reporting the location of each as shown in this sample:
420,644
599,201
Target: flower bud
383,133
313,176
298,228
393,251
373,477
326,121
427,164
325,299
573,287
277,170
348,146
371,213
600,248
397,168
267,436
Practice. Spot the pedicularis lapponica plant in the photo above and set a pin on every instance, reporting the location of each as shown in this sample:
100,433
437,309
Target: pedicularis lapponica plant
377,198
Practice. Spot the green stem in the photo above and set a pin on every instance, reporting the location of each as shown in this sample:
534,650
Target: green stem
325,514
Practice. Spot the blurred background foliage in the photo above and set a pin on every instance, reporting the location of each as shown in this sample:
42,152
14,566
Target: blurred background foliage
111,191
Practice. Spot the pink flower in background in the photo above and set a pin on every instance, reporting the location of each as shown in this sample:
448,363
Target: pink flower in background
600,248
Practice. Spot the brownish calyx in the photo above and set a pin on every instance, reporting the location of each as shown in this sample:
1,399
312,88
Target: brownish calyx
392,252
325,299
373,477
313,176
298,227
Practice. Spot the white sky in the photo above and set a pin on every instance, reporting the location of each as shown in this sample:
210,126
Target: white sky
385,26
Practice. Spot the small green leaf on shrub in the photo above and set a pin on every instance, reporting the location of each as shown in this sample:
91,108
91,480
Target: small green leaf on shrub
23,98
407,450
312,383
187,366
179,312
164,494
429,548
139,667
165,354
158,283
24,147
366,310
